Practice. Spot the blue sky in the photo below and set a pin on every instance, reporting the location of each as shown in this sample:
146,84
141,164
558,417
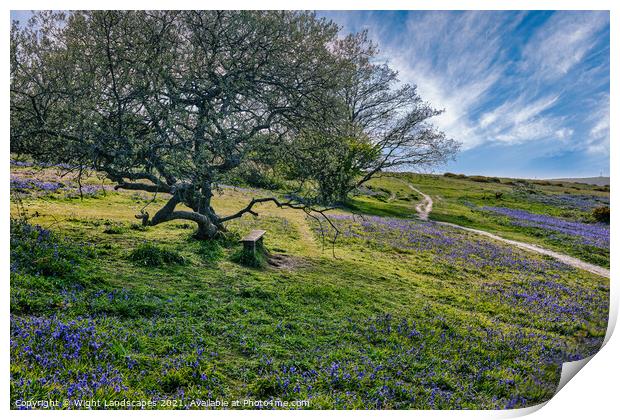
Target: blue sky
527,93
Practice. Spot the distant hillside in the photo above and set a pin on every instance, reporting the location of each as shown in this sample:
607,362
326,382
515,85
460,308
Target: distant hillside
596,180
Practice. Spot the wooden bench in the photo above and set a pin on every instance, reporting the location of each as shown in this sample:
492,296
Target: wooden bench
253,238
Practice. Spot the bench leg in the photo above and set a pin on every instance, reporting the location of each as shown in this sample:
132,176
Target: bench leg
253,246
249,247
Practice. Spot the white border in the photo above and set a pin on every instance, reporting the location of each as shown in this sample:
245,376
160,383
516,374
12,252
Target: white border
592,395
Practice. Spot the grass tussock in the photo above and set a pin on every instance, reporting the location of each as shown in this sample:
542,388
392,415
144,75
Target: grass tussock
256,259
150,255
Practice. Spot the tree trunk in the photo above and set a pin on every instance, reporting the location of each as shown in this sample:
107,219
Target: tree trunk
207,231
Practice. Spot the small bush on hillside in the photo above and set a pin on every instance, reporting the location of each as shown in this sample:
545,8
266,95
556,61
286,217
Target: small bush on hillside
38,251
451,175
253,175
407,197
378,193
478,178
149,255
601,214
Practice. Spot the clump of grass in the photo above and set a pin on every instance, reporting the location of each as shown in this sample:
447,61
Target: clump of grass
138,226
150,255
214,250
256,259
601,214
181,226
229,239
210,251
115,230
38,251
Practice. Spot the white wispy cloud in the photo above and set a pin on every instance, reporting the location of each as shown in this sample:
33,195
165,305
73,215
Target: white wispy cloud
520,120
563,42
598,141
457,77
503,78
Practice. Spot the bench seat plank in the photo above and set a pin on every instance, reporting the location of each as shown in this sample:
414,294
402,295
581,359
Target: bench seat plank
254,236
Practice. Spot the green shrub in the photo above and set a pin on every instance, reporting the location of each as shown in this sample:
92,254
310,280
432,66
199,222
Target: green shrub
407,197
479,178
601,214
115,230
451,175
254,175
150,255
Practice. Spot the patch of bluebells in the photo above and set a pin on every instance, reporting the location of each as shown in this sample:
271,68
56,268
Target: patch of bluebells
592,234
582,202
50,187
41,165
380,362
79,358
21,164
87,190
550,301
61,359
398,363
38,251
27,184
445,243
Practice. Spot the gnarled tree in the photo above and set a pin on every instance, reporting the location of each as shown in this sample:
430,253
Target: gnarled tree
165,101
381,125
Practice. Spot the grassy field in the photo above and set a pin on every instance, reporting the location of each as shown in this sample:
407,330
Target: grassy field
482,205
408,314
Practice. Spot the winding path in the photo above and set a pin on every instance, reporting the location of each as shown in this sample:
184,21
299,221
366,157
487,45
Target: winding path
424,207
